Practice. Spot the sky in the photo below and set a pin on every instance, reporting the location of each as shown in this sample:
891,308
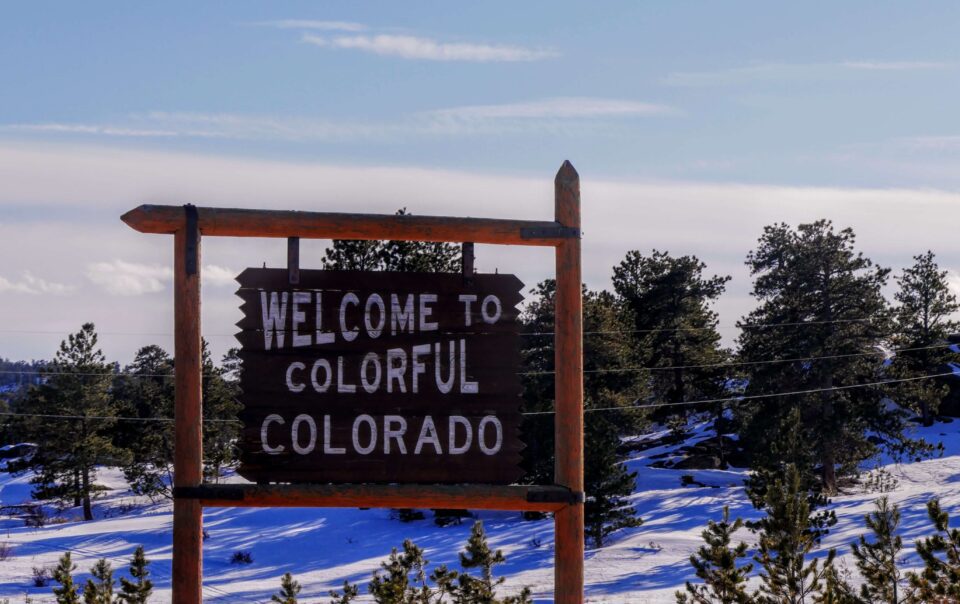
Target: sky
692,126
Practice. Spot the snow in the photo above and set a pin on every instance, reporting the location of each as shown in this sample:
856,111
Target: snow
324,547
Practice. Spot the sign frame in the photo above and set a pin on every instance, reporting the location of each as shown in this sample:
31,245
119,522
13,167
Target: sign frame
565,498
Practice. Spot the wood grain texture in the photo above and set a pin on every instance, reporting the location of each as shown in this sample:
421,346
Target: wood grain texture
569,391
232,222
322,383
188,443
475,497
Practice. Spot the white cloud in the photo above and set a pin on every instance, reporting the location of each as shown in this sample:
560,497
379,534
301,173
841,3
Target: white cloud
105,130
218,276
313,24
32,285
896,65
953,282
557,108
792,71
415,47
122,278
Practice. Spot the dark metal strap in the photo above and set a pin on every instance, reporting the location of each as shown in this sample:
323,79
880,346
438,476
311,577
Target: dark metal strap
557,232
556,495
207,491
193,238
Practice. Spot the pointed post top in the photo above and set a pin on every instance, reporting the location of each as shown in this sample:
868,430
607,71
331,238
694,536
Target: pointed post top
567,174
566,190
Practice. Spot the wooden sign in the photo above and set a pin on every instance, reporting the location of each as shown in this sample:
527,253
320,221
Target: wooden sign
379,377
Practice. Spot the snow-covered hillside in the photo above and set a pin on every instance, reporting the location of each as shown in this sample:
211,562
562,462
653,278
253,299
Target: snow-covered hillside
322,548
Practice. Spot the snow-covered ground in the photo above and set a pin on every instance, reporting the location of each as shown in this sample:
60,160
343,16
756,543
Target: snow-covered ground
322,547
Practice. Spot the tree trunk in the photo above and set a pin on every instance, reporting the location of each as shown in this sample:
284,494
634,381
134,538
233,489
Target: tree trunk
925,411
829,470
87,509
76,487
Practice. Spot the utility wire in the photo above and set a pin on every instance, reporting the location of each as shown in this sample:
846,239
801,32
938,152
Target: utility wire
753,396
891,351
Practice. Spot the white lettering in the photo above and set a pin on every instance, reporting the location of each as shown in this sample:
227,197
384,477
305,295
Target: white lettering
401,319
426,311
327,446
498,310
298,316
481,440
465,386
390,433
374,359
341,386
263,434
364,419
327,372
348,334
291,386
418,366
428,435
452,447
396,372
274,318
467,300
374,300
295,434
323,337
445,386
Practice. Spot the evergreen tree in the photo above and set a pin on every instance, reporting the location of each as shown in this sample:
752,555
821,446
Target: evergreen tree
716,564
63,574
76,383
668,302
289,589
939,581
145,390
403,256
349,594
877,560
139,590
922,324
220,407
101,590
836,589
392,584
483,589
820,303
787,535
609,383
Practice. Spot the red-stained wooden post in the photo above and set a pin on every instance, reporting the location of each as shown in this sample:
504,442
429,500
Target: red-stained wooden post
568,342
188,439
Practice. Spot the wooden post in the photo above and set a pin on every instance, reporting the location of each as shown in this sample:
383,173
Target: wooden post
188,442
568,426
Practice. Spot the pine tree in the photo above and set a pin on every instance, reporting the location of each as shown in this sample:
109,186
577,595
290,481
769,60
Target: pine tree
392,584
606,481
101,590
668,300
349,594
819,298
787,535
877,560
63,574
836,589
716,564
139,590
939,581
478,555
922,324
145,390
220,407
76,383
289,589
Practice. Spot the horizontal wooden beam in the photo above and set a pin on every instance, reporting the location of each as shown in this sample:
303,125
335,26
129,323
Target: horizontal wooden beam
231,222
475,497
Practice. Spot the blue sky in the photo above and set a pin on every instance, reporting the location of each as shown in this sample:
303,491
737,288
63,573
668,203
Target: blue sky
692,124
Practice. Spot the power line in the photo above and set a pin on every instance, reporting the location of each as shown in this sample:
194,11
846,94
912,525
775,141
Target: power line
109,417
753,396
891,351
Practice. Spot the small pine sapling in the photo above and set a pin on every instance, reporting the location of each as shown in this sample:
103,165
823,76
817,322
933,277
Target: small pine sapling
392,583
478,555
716,564
63,574
836,589
877,560
100,590
137,591
939,581
289,589
349,594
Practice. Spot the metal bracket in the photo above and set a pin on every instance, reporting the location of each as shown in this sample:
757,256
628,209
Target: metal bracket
556,495
192,229
293,259
466,261
206,491
557,232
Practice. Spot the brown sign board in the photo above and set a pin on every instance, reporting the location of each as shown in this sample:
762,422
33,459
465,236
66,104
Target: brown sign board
379,377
